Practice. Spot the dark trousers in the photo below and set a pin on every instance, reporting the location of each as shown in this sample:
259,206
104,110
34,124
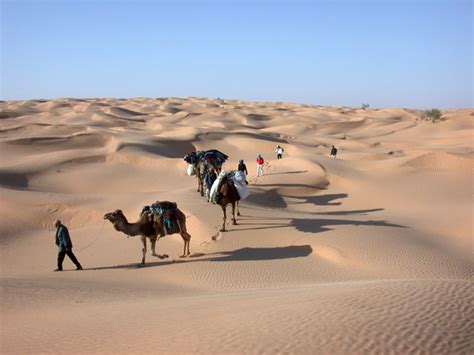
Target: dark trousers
61,256
278,156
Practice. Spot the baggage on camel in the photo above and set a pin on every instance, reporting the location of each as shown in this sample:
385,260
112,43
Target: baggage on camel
190,170
212,156
240,184
216,186
215,157
167,212
236,180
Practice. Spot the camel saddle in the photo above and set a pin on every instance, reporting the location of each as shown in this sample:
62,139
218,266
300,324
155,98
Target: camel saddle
167,213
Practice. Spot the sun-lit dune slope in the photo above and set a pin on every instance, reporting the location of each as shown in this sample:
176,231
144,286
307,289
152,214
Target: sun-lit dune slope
370,252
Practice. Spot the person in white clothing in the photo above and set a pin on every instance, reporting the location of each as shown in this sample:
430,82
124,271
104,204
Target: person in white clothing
279,152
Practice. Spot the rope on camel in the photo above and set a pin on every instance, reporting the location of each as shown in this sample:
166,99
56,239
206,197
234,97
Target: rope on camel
96,238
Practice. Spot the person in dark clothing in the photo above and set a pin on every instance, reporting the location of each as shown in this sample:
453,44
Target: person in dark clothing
333,152
209,180
242,167
64,243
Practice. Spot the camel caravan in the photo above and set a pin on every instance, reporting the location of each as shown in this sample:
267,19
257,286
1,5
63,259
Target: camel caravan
222,187
164,218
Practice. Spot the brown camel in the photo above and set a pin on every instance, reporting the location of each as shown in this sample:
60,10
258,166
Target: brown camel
201,165
200,170
148,226
228,195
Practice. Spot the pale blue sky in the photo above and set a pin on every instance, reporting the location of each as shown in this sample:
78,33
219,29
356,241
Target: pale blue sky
386,53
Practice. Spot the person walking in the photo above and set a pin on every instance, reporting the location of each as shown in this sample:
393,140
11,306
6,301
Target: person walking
64,243
210,178
242,167
333,152
279,152
260,162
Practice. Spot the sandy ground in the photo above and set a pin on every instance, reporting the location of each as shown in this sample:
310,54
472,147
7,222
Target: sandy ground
367,253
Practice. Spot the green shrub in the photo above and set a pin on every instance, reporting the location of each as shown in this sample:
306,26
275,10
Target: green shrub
434,115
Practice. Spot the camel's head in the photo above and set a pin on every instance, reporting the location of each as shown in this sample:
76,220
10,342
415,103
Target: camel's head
114,216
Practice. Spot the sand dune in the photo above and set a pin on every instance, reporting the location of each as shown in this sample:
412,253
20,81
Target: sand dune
367,253
439,161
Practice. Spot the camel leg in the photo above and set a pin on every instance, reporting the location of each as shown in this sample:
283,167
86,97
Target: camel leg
237,205
234,221
223,224
153,243
186,238
189,242
143,250
153,252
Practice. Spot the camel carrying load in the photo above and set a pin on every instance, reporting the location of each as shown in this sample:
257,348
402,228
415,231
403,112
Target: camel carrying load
166,213
225,191
235,179
200,162
212,157
156,221
215,159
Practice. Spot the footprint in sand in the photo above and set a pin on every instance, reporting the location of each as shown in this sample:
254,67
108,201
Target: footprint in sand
216,237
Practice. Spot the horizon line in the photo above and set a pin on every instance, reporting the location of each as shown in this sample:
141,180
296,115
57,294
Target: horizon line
234,99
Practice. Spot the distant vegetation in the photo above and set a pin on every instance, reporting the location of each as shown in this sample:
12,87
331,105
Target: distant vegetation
365,106
434,115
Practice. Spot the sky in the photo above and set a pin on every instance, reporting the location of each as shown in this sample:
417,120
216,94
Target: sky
385,53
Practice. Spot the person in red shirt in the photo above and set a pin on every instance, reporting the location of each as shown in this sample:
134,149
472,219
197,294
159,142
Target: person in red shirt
260,162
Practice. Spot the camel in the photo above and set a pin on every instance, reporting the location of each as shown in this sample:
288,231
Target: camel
148,226
216,164
228,195
198,167
201,165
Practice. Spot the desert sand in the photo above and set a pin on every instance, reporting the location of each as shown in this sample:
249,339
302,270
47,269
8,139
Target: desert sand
370,252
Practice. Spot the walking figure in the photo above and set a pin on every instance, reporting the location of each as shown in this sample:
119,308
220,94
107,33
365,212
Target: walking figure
260,162
242,167
64,243
279,152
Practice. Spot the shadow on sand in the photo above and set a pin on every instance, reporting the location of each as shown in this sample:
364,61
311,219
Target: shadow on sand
320,200
308,225
266,198
243,254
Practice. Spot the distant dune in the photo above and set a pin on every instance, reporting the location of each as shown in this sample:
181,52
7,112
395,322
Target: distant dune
370,252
